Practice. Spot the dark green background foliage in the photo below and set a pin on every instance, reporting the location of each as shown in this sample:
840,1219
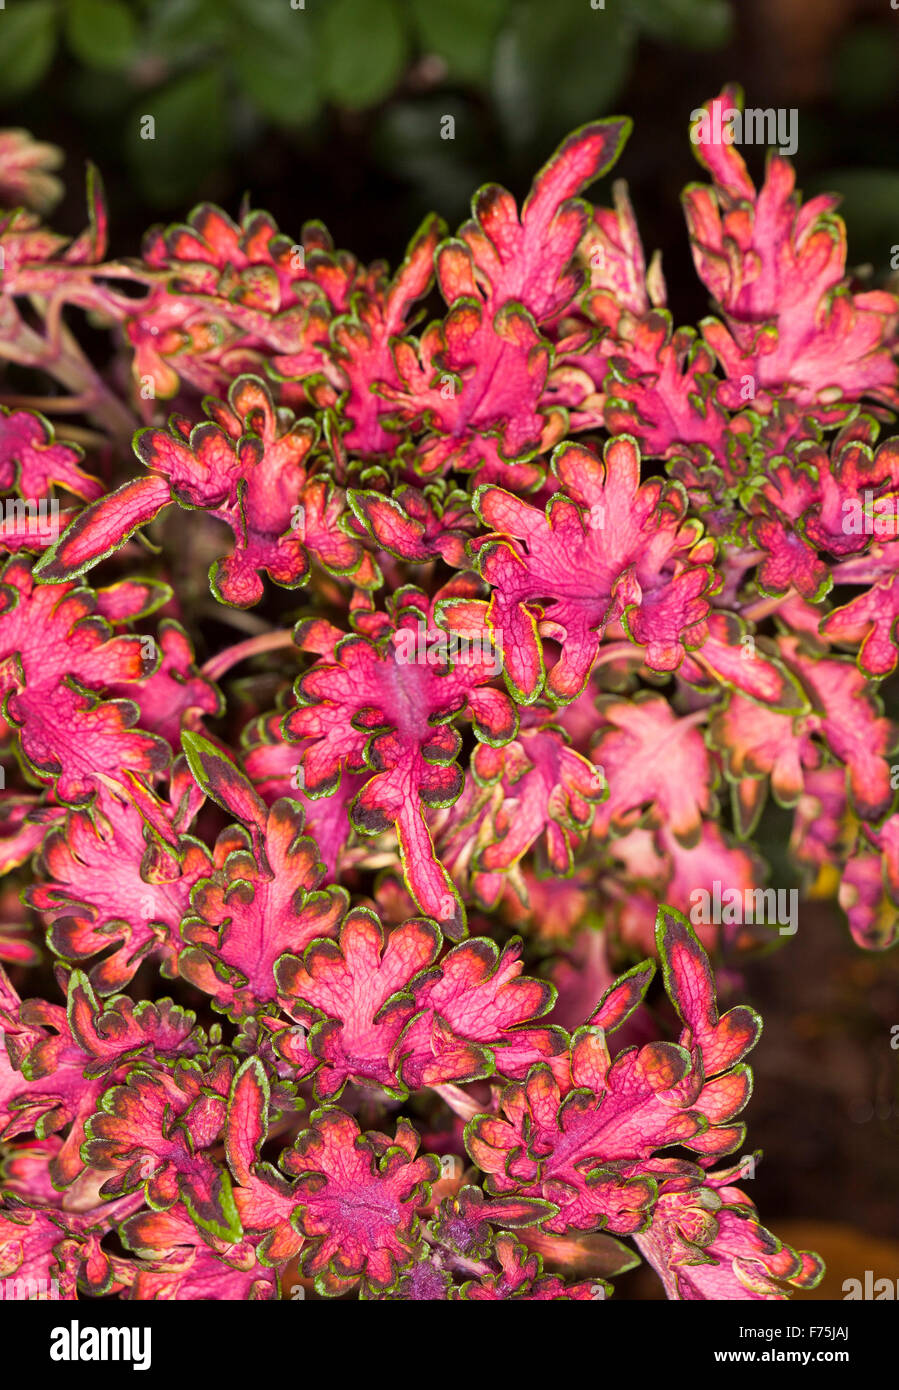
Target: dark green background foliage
338,105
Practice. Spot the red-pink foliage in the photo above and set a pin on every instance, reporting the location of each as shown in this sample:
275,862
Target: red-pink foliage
567,620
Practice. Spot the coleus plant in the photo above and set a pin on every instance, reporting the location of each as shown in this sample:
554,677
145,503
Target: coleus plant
579,589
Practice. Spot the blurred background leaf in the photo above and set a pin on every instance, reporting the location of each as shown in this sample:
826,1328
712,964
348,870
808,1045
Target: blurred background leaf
363,48
27,43
101,33
190,133
177,30
277,65
557,65
461,33
691,23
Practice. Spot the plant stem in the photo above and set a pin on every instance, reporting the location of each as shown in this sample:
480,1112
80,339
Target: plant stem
616,650
458,1101
217,665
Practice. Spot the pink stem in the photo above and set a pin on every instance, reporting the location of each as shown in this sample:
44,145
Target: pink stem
689,721
80,404
458,1101
766,606
217,665
615,650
